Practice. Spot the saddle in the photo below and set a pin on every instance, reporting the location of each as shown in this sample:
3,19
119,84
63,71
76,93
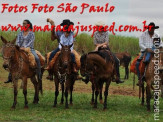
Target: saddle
141,66
51,63
31,58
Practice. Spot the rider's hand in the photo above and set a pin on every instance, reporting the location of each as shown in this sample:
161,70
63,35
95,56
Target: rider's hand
149,50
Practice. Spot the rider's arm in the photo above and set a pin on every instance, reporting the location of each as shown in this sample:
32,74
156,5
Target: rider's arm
141,43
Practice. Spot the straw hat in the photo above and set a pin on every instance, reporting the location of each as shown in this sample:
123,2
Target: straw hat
100,23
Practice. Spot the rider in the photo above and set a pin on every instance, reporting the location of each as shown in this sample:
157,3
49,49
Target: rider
147,47
101,40
26,39
57,35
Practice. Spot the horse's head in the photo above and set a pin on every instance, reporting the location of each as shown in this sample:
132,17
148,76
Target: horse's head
161,54
8,51
86,65
65,55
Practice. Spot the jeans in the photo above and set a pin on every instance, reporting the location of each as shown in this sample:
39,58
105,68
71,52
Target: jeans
116,65
148,55
38,63
73,58
53,53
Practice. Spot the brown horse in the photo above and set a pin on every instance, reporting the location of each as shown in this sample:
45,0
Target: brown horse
95,66
63,72
16,61
125,59
153,77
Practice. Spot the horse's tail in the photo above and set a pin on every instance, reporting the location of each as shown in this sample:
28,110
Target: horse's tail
40,82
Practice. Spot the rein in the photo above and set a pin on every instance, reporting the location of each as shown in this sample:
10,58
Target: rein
20,60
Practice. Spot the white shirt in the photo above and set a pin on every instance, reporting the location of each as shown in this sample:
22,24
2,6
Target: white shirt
145,41
66,41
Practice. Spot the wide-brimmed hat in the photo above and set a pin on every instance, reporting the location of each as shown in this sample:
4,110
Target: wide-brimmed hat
66,22
153,25
100,23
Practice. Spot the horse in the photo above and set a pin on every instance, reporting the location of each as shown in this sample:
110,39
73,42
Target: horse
125,59
153,77
63,72
16,61
100,70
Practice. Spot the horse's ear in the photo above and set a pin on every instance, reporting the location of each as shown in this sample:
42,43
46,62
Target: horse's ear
13,41
17,47
3,40
83,52
71,45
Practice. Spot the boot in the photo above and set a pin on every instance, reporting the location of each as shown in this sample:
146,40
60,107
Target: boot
9,79
119,81
86,80
74,68
139,83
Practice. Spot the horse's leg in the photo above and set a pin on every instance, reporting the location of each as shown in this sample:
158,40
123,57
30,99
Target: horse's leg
15,92
96,94
25,91
106,93
101,87
62,98
93,93
71,89
148,96
36,97
142,102
66,95
56,91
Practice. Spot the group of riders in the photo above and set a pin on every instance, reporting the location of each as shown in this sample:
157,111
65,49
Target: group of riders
101,41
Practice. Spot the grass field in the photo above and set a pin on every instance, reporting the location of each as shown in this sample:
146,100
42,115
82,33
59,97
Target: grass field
123,104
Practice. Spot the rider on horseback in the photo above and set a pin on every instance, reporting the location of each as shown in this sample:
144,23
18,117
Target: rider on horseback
147,47
101,39
26,39
62,37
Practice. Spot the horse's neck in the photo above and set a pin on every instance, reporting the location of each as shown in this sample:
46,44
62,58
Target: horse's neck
98,60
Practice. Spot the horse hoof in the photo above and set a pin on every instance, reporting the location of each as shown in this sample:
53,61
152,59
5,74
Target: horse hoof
92,103
142,104
104,109
13,107
25,107
149,110
71,104
66,107
35,102
101,101
95,107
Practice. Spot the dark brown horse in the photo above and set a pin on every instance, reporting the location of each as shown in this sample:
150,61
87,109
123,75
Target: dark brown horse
63,72
95,66
125,59
16,61
153,77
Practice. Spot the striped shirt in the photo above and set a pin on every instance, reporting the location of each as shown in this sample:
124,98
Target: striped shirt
100,38
25,41
145,41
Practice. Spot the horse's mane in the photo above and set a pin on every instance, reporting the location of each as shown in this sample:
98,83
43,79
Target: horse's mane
103,54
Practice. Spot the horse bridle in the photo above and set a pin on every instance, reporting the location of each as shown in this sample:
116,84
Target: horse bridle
9,45
62,77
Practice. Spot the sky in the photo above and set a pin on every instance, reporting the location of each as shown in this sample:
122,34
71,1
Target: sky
126,12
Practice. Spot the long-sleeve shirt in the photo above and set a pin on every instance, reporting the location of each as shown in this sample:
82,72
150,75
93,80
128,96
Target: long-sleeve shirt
145,41
25,41
66,40
100,38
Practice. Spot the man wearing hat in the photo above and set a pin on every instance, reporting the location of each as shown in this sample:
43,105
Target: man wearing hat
57,35
147,47
101,41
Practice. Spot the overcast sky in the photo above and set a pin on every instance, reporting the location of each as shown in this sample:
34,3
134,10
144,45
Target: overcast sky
126,12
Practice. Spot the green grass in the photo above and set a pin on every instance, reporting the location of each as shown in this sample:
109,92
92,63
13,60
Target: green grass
120,108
